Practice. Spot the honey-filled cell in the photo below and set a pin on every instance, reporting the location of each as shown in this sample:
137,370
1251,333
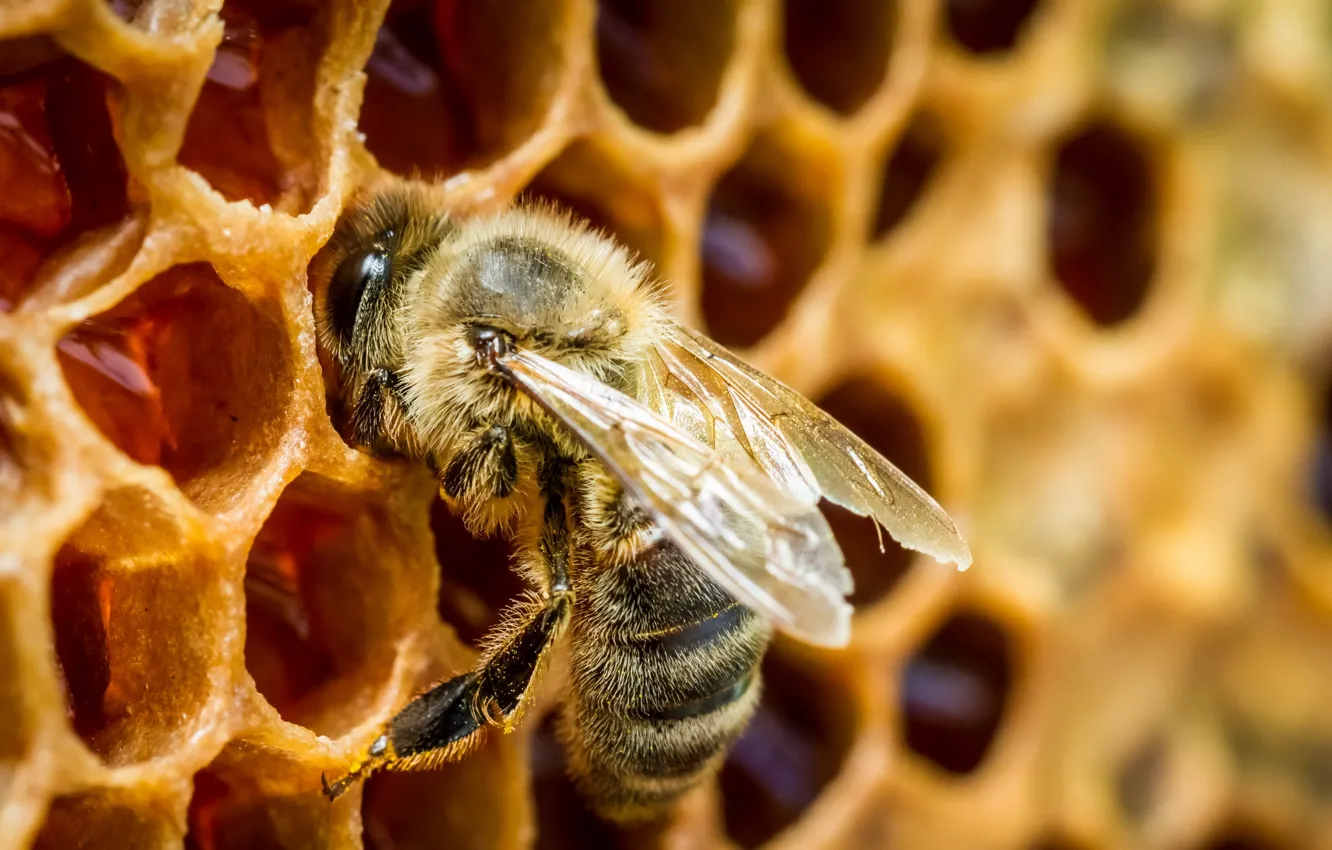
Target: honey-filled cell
152,376
767,229
249,132
661,61
322,605
453,85
839,50
61,167
1102,225
955,691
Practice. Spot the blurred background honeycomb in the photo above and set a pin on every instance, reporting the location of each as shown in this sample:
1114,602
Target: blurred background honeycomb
1067,262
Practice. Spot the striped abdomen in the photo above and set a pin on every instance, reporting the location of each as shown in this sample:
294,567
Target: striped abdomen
664,677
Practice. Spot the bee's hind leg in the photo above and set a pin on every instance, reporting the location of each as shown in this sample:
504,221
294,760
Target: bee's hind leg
447,721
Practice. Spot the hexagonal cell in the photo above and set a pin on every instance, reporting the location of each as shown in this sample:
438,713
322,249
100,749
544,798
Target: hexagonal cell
883,420
838,51
150,377
908,171
476,582
454,85
135,646
954,693
563,819
475,804
793,748
1102,221
768,228
582,181
252,798
987,26
249,134
59,162
662,62
106,819
326,596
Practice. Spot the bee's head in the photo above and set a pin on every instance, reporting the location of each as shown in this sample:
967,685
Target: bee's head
541,281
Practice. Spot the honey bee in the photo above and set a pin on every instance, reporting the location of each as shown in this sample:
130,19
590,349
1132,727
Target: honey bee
662,495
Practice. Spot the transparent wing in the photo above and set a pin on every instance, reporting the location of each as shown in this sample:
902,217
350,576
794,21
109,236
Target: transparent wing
752,537
732,406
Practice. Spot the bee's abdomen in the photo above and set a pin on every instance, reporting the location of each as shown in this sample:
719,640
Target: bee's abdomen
665,676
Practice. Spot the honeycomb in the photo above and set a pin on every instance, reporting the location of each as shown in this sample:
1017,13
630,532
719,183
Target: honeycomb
1065,261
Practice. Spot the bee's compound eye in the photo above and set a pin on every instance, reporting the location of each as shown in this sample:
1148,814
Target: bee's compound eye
362,270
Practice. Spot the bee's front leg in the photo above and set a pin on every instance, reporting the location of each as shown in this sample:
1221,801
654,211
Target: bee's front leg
485,467
378,411
446,722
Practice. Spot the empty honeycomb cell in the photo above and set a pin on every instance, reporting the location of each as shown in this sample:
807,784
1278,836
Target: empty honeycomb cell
233,805
839,50
908,171
563,819
150,375
792,749
323,604
662,62
1102,221
881,419
955,691
476,582
767,229
474,804
987,26
107,819
59,162
456,84
248,131
582,181
135,649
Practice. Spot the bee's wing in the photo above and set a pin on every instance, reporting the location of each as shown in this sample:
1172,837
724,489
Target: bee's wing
768,549
738,409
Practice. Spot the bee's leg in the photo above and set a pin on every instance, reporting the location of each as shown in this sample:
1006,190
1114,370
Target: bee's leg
379,403
444,723
486,467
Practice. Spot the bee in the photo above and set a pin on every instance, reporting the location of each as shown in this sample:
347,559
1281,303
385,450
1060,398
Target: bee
661,494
